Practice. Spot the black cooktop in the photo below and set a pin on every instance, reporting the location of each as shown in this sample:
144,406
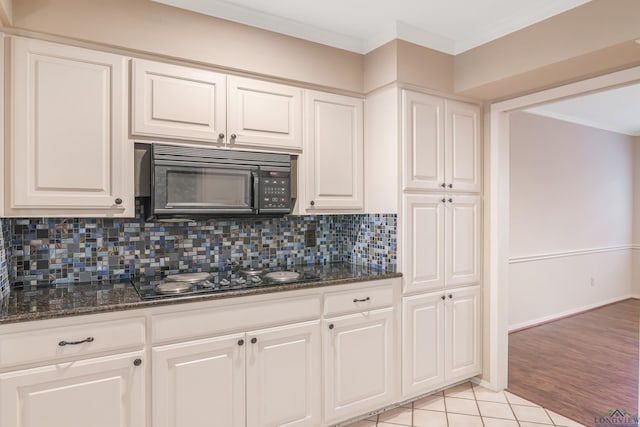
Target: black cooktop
222,281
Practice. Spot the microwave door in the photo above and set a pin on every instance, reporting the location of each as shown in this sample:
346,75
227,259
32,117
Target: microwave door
202,190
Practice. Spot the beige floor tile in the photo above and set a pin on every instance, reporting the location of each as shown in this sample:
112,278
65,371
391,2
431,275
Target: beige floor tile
533,414
517,400
461,406
561,421
526,424
498,422
423,418
363,423
489,395
462,391
398,416
459,420
496,410
432,403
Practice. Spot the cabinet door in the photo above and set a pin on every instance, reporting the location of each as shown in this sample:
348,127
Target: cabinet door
462,237
264,114
283,376
102,392
462,332
423,344
334,152
68,145
358,364
171,101
423,237
462,142
200,383
422,141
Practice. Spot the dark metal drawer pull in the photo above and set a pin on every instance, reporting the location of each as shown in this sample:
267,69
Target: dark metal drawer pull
63,343
361,300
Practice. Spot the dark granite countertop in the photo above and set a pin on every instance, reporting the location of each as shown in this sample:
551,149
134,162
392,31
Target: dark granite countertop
61,300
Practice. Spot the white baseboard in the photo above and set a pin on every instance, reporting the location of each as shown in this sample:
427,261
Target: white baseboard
570,312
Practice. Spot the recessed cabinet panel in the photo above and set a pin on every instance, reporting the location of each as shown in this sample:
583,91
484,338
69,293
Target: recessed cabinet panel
462,327
334,152
104,392
423,141
68,147
171,101
423,344
358,351
423,242
197,381
463,146
283,376
463,240
264,114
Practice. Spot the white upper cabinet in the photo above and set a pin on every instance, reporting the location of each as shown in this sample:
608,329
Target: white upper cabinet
334,152
172,101
441,144
68,149
191,104
441,238
462,146
423,141
264,114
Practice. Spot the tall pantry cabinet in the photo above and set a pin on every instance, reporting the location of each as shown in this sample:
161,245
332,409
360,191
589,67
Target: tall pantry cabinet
423,158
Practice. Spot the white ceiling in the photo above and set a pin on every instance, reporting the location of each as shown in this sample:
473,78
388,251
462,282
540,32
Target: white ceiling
616,110
451,26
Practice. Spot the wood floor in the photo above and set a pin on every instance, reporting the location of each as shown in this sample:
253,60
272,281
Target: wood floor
580,366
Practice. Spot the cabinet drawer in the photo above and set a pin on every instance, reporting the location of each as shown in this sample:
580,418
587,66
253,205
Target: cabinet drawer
216,320
355,300
50,344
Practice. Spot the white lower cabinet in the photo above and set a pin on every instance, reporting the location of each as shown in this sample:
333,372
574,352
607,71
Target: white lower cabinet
100,392
358,363
441,339
268,377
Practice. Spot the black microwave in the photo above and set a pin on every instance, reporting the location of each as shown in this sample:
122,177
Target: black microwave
191,182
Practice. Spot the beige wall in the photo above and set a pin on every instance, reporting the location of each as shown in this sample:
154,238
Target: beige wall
6,11
572,217
592,39
589,40
152,27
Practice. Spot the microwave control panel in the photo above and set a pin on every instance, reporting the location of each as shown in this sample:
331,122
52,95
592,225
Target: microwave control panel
275,191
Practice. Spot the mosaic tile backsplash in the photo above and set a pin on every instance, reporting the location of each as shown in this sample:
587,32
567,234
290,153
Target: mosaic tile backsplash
5,257
58,250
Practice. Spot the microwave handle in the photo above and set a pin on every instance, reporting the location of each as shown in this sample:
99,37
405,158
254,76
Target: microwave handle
256,191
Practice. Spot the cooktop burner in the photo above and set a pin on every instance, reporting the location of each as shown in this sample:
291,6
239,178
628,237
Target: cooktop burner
223,281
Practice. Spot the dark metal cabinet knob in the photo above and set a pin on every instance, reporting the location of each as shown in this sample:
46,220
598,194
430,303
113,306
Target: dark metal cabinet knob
443,185
450,185
233,137
118,201
443,297
240,342
331,326
221,136
254,340
137,362
444,200
450,296
450,200
312,203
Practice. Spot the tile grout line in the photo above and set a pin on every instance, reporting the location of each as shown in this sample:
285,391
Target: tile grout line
475,399
511,407
446,413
